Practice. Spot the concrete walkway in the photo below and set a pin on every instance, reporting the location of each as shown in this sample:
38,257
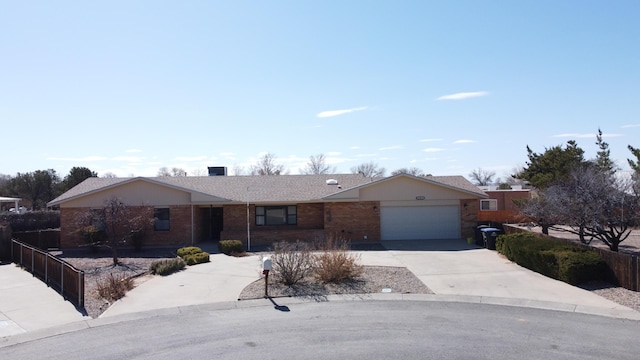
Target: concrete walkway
454,270
28,304
220,280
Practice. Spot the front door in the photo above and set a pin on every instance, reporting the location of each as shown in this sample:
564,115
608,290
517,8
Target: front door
212,223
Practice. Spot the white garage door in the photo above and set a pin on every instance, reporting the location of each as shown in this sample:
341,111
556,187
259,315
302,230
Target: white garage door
413,223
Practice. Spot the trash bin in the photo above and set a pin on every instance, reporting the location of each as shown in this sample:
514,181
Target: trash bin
478,234
489,236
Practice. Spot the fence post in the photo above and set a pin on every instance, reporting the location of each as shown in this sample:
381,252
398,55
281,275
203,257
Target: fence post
634,273
62,280
80,292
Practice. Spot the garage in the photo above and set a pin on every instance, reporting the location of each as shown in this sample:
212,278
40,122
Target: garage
419,222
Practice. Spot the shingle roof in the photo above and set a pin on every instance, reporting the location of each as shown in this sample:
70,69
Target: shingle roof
256,189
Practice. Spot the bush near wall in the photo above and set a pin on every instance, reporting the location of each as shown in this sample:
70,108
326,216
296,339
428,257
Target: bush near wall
229,247
562,261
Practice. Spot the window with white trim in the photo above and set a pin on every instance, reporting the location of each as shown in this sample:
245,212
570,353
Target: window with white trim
276,215
489,205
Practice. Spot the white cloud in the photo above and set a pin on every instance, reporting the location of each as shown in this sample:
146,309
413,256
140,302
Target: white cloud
133,151
190,158
577,135
430,140
393,147
464,141
354,147
80,159
433,150
128,158
630,126
463,95
366,155
331,113
334,153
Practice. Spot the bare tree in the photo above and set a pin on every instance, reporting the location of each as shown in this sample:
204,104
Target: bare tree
199,172
482,177
369,169
318,165
178,172
595,203
410,171
266,165
540,209
164,171
117,221
237,170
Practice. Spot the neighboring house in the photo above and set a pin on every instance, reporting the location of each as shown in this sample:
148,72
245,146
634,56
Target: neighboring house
263,209
500,207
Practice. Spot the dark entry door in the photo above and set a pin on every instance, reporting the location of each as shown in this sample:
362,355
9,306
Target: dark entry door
213,223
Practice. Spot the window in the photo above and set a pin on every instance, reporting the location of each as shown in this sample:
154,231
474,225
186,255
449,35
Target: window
489,205
161,219
97,219
276,215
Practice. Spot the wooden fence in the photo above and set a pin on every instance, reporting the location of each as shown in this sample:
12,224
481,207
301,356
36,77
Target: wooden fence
42,239
624,268
501,216
57,273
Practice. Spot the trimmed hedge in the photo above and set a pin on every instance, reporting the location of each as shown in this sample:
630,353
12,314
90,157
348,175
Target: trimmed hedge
198,258
167,266
193,255
556,259
189,250
229,247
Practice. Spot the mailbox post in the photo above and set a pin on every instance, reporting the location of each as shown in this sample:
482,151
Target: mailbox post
266,267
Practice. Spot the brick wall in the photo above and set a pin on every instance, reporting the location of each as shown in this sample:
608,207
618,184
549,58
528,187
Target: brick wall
353,220
178,234
505,198
179,228
468,217
309,225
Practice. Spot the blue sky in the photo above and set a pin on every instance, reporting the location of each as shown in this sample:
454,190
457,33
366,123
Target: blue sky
128,87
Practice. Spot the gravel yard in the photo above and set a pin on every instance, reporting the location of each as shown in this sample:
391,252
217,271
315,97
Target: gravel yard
98,267
374,279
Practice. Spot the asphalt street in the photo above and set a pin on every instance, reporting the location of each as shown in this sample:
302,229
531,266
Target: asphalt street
350,329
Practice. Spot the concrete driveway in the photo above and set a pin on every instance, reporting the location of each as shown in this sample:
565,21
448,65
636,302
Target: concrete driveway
452,267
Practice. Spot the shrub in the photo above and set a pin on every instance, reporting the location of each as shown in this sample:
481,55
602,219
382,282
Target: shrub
229,247
553,258
335,264
167,266
114,288
580,267
189,250
197,258
291,261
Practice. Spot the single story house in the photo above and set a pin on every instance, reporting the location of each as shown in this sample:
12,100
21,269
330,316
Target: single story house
263,209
